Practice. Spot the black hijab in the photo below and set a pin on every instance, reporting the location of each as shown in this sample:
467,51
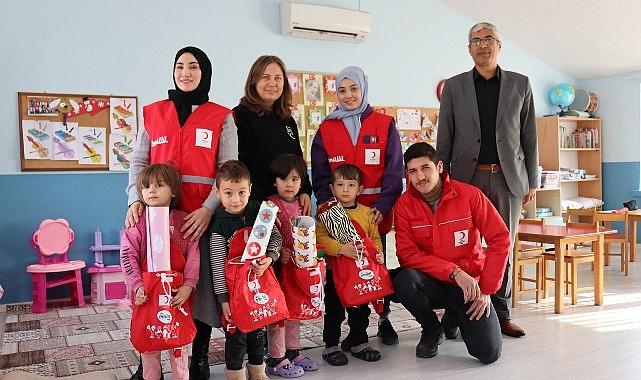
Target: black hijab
183,101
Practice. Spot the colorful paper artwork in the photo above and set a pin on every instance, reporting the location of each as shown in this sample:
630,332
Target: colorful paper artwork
120,151
295,82
122,113
64,141
89,106
313,89
408,118
41,106
37,139
92,147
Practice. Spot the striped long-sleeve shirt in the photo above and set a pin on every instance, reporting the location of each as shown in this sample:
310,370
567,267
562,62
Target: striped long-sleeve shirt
224,225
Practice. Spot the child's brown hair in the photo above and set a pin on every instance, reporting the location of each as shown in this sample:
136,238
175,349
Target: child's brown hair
161,173
348,171
232,170
284,163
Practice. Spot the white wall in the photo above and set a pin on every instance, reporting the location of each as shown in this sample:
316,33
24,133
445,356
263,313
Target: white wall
620,111
127,47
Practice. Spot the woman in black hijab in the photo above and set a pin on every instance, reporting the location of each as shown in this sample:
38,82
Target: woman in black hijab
196,136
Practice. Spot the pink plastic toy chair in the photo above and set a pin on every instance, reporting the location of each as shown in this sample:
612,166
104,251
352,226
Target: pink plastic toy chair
51,242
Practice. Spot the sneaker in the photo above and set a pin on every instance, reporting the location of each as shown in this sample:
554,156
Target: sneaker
427,347
386,333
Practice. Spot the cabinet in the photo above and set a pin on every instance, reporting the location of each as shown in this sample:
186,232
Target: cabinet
568,142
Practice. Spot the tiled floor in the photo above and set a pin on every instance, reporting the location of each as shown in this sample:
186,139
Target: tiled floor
586,341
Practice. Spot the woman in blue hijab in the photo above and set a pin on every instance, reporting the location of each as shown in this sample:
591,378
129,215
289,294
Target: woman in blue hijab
355,134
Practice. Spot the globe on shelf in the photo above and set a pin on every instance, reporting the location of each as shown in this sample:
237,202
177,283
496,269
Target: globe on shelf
562,95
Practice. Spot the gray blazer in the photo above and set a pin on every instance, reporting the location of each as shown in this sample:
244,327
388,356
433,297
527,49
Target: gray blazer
459,130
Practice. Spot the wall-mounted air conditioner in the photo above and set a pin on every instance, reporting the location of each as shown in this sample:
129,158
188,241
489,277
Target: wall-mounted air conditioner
325,23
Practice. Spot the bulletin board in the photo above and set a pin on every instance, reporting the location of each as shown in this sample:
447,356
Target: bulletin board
414,124
61,132
314,97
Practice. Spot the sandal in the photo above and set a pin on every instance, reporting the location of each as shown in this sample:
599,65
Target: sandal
334,356
365,352
286,369
307,363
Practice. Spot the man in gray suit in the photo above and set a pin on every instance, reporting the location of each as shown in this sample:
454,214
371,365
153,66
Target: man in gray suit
487,137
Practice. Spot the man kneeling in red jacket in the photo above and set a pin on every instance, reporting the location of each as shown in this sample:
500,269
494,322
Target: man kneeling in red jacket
439,223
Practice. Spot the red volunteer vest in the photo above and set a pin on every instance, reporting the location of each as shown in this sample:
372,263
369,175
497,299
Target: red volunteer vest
368,155
193,148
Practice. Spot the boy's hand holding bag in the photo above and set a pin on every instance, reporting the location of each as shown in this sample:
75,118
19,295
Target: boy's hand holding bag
357,281
255,301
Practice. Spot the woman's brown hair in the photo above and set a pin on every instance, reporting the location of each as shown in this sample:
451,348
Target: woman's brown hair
161,173
282,107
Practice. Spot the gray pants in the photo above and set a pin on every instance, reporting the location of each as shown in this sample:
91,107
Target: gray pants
508,205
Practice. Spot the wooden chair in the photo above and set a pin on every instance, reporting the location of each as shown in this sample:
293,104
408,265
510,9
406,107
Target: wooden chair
573,257
525,254
621,239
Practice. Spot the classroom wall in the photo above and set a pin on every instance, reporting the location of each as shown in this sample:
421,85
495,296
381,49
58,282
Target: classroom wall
620,111
127,47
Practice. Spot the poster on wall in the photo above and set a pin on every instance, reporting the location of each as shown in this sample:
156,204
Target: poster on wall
65,140
313,89
36,138
92,148
123,115
120,151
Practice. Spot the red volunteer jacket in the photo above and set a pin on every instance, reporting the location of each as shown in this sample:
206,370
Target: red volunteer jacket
193,148
438,242
368,155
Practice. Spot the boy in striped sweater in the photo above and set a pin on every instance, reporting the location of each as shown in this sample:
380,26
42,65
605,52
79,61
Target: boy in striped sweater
233,187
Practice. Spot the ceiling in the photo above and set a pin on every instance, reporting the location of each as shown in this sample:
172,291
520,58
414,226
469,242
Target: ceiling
583,38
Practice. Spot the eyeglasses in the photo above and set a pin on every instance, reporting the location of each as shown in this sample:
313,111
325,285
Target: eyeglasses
483,41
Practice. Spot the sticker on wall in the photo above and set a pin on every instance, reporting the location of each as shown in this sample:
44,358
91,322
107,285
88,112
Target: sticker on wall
313,89
122,113
36,140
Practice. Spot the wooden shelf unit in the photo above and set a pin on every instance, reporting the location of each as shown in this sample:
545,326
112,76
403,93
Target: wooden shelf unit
552,156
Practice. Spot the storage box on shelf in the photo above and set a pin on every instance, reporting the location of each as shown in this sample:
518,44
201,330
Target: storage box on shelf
108,284
568,143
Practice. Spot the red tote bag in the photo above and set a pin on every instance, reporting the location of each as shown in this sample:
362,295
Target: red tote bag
156,325
303,289
255,302
362,280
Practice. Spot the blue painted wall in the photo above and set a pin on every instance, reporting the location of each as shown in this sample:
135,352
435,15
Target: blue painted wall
127,47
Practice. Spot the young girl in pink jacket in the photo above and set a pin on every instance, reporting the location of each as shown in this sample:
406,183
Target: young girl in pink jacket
159,186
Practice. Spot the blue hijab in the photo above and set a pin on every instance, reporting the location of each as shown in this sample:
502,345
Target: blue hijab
351,118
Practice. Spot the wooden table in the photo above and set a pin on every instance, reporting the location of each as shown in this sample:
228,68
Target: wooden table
560,236
633,218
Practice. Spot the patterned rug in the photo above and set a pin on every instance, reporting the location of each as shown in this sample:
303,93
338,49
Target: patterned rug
67,340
